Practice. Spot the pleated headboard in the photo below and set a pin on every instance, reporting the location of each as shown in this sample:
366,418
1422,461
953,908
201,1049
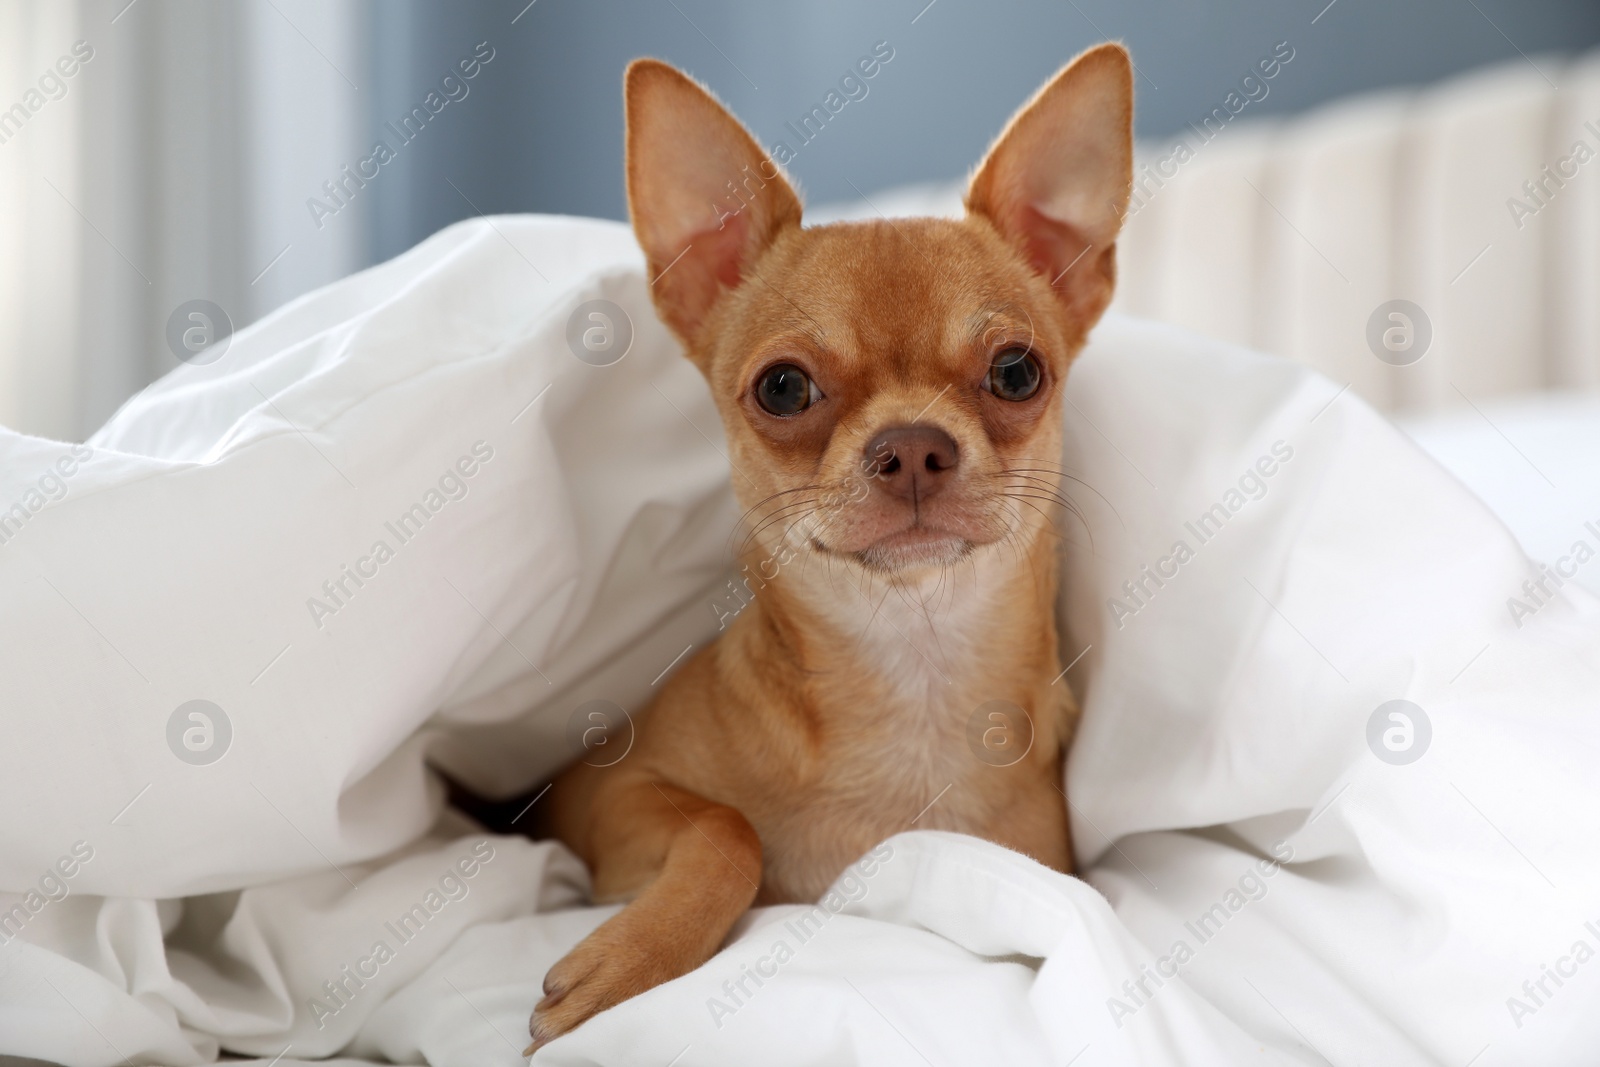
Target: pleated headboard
1476,200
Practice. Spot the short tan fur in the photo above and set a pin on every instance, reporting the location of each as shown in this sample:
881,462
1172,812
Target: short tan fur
891,395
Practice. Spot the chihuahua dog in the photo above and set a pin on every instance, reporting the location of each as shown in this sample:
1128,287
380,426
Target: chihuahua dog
891,393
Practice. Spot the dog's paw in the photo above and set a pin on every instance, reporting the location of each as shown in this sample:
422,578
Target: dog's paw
615,962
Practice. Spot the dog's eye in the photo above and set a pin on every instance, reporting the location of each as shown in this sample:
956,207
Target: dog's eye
1014,375
785,390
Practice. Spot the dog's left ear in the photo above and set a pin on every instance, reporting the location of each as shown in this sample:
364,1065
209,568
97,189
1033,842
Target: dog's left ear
1057,181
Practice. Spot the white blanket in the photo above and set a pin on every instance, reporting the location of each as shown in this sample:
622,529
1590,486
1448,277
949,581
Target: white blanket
1275,870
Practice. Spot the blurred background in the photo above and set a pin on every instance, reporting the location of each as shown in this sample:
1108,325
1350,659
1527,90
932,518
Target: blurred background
155,152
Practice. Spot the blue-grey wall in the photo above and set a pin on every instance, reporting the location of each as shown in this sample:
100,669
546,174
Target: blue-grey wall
541,128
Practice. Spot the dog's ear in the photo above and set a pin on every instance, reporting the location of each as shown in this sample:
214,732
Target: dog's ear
705,200
1056,182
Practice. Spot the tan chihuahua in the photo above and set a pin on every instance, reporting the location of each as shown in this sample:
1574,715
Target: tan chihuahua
891,394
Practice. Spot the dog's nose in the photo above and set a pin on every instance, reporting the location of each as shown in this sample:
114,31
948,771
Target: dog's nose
912,462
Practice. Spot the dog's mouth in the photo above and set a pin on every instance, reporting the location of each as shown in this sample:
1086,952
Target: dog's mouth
918,546
915,546
887,535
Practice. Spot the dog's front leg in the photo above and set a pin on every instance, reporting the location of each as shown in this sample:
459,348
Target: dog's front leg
692,867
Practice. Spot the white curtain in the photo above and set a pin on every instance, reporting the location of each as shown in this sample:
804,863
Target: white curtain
158,152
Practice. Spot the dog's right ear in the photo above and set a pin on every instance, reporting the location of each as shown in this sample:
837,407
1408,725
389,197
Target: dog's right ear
705,200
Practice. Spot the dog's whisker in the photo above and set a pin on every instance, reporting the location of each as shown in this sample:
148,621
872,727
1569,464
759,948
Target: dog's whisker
1074,478
764,501
796,510
1059,498
1061,536
1039,490
752,526
1028,501
1040,484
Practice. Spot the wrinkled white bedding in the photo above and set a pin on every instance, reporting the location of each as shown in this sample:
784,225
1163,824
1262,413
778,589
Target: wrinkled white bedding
1531,458
1259,885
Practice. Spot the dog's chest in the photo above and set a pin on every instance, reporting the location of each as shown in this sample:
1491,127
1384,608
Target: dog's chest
907,726
913,765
